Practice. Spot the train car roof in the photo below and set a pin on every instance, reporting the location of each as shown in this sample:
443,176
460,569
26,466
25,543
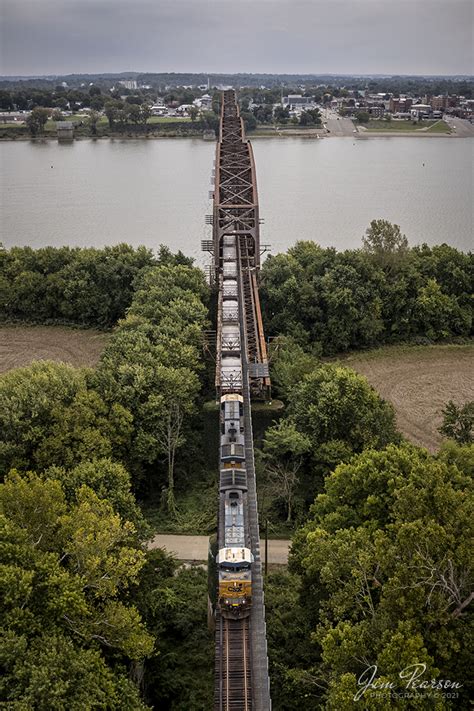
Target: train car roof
232,397
234,555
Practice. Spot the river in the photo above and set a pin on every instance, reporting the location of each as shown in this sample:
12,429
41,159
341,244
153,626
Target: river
157,191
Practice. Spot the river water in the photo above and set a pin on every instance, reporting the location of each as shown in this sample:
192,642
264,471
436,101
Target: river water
157,191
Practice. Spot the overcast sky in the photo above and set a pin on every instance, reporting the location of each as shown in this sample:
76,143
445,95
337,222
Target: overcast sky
275,36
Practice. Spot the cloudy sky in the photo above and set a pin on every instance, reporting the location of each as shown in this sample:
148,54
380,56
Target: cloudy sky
276,36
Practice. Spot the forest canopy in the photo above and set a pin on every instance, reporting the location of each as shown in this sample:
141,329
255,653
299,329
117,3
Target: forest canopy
386,292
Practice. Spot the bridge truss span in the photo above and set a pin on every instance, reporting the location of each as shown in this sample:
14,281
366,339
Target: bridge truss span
236,214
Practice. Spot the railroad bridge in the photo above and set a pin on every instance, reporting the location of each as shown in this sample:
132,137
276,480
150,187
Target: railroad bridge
241,678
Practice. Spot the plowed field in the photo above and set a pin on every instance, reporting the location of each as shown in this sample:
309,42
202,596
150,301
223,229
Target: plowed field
419,381
20,345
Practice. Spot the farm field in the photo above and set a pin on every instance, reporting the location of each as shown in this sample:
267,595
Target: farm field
419,381
20,345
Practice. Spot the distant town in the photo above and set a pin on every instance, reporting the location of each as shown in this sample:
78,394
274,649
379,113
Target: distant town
95,105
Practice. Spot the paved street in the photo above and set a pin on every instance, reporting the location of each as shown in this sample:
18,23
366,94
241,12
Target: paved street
195,548
461,127
337,125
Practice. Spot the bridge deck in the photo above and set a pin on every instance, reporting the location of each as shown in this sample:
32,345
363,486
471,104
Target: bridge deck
236,216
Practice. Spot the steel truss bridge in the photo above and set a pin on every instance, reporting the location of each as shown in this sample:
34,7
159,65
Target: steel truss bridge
241,679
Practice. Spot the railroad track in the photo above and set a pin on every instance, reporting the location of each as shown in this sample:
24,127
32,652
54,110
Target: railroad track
233,690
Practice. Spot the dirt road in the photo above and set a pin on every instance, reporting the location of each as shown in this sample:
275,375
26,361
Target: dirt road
196,547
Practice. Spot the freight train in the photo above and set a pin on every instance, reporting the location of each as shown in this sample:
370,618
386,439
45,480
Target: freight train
234,558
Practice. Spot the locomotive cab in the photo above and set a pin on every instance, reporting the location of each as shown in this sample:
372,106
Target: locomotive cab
235,581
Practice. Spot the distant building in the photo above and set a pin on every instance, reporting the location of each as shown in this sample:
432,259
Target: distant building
65,130
399,104
13,117
376,111
129,84
297,101
420,111
184,109
158,110
206,102
438,103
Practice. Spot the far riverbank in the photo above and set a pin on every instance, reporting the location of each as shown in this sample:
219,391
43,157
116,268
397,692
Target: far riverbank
255,134
459,129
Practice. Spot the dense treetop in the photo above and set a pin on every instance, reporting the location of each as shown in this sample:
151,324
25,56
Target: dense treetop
386,292
382,571
76,581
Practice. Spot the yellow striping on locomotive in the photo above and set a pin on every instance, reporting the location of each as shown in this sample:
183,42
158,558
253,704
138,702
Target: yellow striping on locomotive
235,588
232,465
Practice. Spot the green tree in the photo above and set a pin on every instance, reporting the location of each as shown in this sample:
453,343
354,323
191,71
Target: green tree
145,113
37,119
108,480
66,568
386,572
173,604
284,448
385,243
250,122
334,404
281,114
150,365
290,363
93,120
85,429
51,672
26,396
111,110
458,422
438,315
133,113
290,650
352,310
193,112
329,302
363,116
90,287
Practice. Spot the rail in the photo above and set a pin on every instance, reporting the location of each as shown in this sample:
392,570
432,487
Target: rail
233,670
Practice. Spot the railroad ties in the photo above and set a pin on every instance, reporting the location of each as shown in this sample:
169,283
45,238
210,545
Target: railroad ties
241,669
233,673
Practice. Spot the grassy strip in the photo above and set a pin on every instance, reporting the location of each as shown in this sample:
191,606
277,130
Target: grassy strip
432,126
439,127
